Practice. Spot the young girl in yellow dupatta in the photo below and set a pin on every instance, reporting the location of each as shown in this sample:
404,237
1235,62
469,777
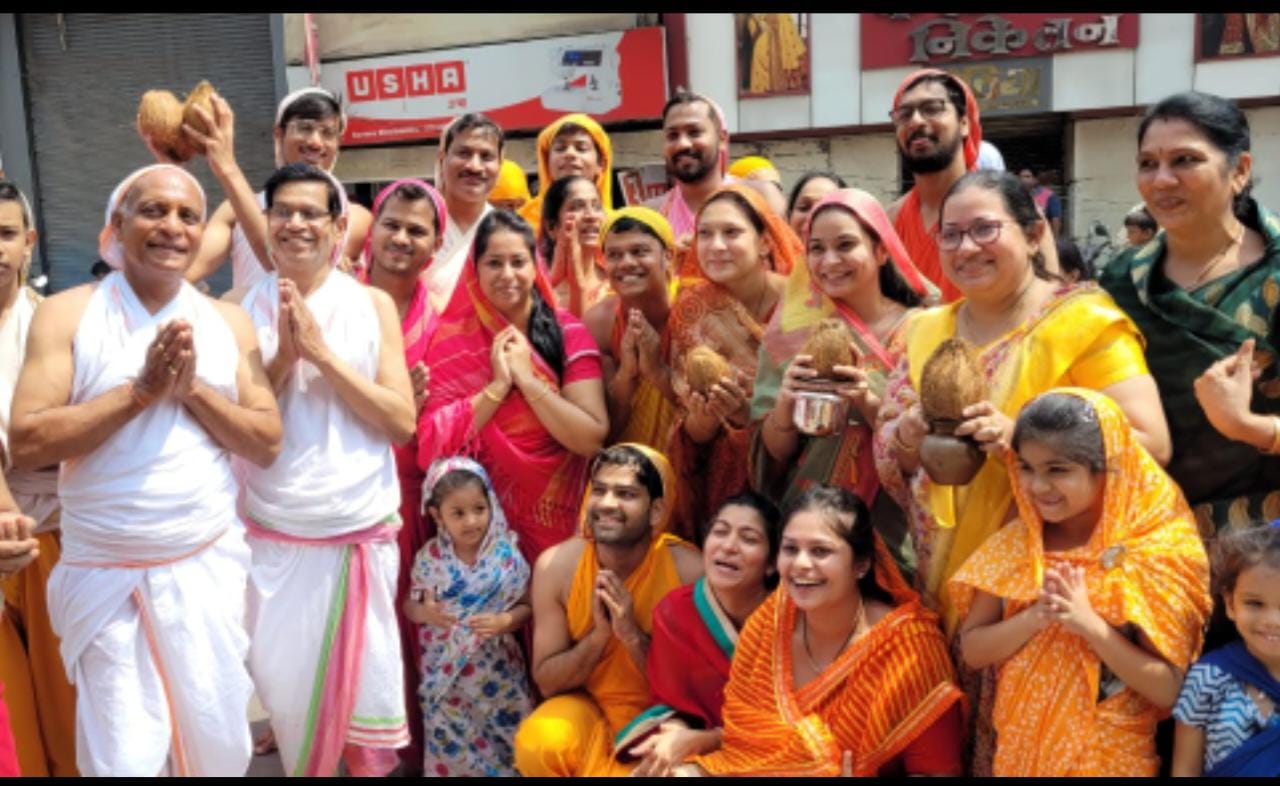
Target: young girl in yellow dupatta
856,270
742,252
573,145
515,384
1091,602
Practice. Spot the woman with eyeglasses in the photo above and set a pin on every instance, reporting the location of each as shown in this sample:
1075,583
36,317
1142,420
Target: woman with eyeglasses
1032,331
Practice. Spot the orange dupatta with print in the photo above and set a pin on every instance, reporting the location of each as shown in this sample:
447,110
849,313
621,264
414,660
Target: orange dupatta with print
705,314
886,689
538,481
910,226
616,683
1145,565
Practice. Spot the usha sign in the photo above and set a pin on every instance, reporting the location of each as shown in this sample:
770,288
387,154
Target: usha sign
904,39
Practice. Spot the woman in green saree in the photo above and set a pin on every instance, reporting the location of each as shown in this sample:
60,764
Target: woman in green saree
856,270
1204,293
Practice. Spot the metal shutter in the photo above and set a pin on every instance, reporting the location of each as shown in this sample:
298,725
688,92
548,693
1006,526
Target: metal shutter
83,80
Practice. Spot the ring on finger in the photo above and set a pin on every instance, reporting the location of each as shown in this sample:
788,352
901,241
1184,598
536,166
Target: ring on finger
173,372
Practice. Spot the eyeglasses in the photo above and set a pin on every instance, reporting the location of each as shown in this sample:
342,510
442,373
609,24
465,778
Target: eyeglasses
930,109
310,215
305,128
984,233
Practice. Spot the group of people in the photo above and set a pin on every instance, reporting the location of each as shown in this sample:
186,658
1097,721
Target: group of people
469,491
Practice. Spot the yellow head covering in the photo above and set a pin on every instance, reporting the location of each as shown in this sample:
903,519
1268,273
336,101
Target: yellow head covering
532,211
511,184
647,216
669,490
755,168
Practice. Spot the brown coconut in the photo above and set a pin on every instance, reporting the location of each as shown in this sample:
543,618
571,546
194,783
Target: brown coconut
160,120
951,380
703,367
202,96
829,346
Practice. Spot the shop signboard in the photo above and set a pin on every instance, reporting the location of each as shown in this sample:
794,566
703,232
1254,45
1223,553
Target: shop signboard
522,85
1009,87
895,40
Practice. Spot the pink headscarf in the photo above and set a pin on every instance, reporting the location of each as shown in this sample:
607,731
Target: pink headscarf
973,142
437,203
869,210
109,248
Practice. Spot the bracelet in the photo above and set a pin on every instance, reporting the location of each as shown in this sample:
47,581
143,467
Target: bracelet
1274,449
490,395
545,390
142,401
901,446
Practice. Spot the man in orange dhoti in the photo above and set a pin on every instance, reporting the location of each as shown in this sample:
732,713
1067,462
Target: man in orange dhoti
592,600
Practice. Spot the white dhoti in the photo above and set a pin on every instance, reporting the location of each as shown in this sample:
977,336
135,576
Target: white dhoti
148,599
322,520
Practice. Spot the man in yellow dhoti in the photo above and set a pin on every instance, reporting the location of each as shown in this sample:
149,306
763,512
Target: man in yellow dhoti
592,600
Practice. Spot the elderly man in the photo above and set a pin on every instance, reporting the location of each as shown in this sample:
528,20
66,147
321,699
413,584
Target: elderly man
593,596
467,167
322,519
143,388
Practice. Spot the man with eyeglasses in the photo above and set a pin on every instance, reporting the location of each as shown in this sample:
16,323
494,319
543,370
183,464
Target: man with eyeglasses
935,119
322,519
309,124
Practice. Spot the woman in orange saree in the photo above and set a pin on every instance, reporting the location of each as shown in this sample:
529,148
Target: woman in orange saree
516,385
742,253
1091,602
841,669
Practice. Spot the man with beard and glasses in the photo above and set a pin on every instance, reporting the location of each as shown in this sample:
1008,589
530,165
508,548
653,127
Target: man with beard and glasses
935,118
696,150
593,596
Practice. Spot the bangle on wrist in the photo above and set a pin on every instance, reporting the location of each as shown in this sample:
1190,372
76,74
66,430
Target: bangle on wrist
494,397
1274,448
142,401
901,446
545,390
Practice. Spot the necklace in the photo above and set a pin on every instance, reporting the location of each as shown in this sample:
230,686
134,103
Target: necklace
859,622
1232,239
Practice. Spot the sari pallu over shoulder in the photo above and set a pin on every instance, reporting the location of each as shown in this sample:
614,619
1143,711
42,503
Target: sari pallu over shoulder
535,477
1145,566
1228,483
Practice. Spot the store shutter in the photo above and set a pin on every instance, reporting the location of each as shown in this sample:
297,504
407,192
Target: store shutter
84,75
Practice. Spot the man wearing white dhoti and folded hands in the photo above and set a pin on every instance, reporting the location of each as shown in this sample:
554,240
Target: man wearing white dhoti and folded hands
143,388
322,520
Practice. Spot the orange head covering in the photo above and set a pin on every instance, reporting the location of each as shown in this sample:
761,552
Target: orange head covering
511,185
532,211
973,142
669,490
787,251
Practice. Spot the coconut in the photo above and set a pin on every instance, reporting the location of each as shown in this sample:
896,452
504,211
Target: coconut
829,346
160,120
703,367
202,96
951,380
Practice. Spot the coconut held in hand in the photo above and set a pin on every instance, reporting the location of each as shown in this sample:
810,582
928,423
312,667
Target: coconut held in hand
951,380
703,367
829,345
161,115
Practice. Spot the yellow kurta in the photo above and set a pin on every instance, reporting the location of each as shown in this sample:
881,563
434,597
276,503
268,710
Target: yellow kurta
572,734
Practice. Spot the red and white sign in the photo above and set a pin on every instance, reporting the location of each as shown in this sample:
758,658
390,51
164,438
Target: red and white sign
521,86
890,40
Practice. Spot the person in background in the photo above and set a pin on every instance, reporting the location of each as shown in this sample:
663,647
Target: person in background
697,154
1048,202
807,192
1139,226
511,191
759,173
1074,266
569,242
467,166
99,270
989,157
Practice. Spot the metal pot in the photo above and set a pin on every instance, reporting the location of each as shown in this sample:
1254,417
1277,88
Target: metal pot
820,414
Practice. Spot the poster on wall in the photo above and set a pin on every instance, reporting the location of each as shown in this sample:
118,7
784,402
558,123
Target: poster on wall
1231,36
1009,87
890,40
773,54
522,85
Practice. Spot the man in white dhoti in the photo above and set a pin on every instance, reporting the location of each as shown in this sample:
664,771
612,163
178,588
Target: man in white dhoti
322,520
467,166
142,388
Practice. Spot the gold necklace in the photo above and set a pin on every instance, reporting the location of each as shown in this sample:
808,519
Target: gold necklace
1232,239
859,621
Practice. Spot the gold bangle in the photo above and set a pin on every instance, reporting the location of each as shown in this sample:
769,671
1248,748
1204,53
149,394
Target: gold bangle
901,446
1275,436
545,390
490,395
